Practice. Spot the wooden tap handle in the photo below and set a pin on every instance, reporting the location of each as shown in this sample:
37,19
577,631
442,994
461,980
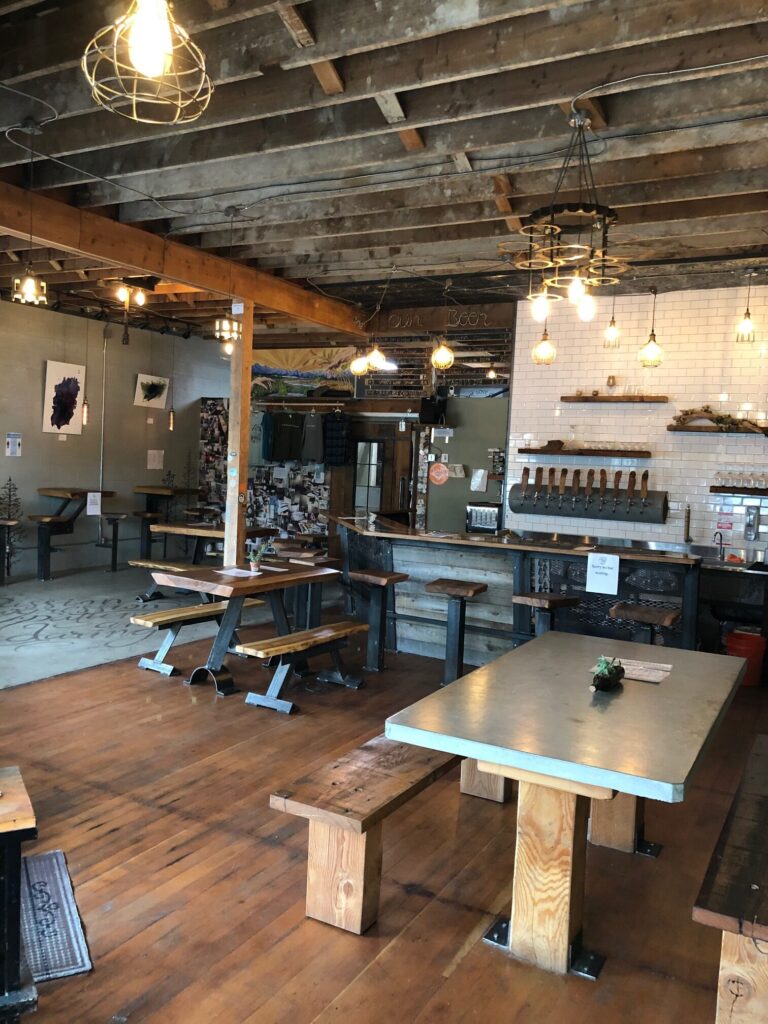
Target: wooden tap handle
631,485
644,486
576,482
551,480
590,482
539,478
603,482
616,482
524,479
563,478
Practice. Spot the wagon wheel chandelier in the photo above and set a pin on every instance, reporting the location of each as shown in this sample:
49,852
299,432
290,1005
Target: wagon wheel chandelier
146,68
568,242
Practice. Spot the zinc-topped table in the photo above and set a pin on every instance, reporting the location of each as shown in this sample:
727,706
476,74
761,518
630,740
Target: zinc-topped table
530,715
274,579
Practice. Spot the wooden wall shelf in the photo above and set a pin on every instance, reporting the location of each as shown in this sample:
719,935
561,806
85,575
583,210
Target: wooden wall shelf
762,491
617,399
589,453
754,432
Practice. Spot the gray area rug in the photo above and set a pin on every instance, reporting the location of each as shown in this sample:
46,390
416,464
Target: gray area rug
53,936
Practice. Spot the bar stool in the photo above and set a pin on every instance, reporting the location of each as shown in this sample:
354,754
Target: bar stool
651,619
457,591
6,526
380,585
114,519
544,608
145,542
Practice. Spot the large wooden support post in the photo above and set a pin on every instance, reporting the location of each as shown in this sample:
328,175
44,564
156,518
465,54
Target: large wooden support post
742,991
617,823
548,884
343,875
238,441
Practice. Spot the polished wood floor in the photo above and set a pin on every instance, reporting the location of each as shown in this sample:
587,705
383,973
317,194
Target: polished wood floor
192,890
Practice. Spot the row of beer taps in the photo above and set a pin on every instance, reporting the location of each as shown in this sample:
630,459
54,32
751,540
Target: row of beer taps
557,492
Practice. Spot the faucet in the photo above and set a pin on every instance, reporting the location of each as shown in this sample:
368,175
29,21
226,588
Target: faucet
718,539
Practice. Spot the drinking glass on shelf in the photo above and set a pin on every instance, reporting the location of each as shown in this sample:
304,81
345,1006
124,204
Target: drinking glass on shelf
736,480
760,481
718,481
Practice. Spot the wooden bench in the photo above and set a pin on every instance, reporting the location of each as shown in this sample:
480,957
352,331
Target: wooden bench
17,825
153,592
284,653
346,802
174,619
734,897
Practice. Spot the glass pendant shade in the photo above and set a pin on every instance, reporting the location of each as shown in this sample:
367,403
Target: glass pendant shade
442,357
544,352
30,289
146,68
359,366
611,335
745,333
587,308
227,329
651,354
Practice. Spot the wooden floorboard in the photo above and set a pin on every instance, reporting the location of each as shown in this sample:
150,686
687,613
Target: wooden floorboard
192,889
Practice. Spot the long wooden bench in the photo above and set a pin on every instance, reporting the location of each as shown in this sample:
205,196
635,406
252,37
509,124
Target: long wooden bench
174,619
734,897
153,592
346,802
289,652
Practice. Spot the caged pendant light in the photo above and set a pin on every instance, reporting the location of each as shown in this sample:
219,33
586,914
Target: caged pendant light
611,334
146,68
29,288
651,354
745,333
544,352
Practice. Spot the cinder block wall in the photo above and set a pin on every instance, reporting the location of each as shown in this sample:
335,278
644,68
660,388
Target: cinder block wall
703,365
29,337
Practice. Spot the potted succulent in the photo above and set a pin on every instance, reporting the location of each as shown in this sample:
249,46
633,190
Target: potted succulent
608,674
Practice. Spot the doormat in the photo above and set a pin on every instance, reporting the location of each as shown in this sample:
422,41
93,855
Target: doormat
53,936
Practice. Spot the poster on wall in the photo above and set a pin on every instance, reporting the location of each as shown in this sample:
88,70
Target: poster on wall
63,398
151,391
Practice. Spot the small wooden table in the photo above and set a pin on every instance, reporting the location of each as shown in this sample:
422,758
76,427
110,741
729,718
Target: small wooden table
17,825
59,522
275,578
157,493
203,532
530,716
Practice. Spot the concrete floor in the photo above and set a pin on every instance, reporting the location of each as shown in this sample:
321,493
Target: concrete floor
82,619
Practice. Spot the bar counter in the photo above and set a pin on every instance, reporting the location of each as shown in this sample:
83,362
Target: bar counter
509,564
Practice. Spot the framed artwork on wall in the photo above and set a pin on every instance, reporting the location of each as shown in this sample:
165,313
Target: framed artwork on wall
151,391
63,398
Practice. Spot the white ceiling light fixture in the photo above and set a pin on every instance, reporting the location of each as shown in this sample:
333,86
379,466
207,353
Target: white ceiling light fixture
146,68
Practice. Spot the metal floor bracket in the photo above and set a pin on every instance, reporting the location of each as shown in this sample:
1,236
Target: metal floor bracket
498,933
584,963
648,849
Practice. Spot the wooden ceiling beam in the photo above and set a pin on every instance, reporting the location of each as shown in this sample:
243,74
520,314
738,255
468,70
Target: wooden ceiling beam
64,227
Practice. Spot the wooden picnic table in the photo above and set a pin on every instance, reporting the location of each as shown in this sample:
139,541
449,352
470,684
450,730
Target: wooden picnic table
274,579
203,532
530,716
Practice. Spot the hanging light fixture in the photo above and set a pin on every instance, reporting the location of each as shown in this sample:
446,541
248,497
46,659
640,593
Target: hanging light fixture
651,354
376,358
172,411
229,331
146,68
540,304
544,352
745,333
29,288
492,375
442,356
126,294
587,307
611,334
359,366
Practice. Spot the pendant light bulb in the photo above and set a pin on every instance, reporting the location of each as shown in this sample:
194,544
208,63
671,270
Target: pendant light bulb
359,366
442,357
171,419
576,289
651,354
611,335
745,333
540,306
140,297
150,43
122,293
376,358
228,347
29,289
587,308
492,375
86,412
544,352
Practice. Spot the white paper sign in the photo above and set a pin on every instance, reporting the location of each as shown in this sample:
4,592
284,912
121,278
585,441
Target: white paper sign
13,445
602,573
479,481
93,505
155,458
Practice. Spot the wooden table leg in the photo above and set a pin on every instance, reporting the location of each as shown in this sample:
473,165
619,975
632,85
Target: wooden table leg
742,990
620,825
482,784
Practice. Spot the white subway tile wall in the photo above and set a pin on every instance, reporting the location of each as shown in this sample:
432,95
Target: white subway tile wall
703,365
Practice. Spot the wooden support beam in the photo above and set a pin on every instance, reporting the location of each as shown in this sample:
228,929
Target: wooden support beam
390,107
461,162
329,78
296,25
411,139
503,190
238,441
63,227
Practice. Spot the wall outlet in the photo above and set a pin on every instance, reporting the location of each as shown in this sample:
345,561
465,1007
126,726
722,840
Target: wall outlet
431,457
444,457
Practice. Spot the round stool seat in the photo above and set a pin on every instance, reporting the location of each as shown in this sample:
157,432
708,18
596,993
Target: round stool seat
456,588
154,516
643,614
9,522
111,516
377,577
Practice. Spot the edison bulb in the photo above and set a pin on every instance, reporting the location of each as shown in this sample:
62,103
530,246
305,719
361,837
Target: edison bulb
29,288
229,347
150,43
587,308
544,352
540,306
442,357
492,375
745,332
576,289
122,293
611,335
651,354
359,366
140,298
376,358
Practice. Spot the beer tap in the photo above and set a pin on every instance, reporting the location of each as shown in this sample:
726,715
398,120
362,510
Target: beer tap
537,484
603,487
524,483
631,489
561,487
644,490
589,488
616,484
575,488
550,485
